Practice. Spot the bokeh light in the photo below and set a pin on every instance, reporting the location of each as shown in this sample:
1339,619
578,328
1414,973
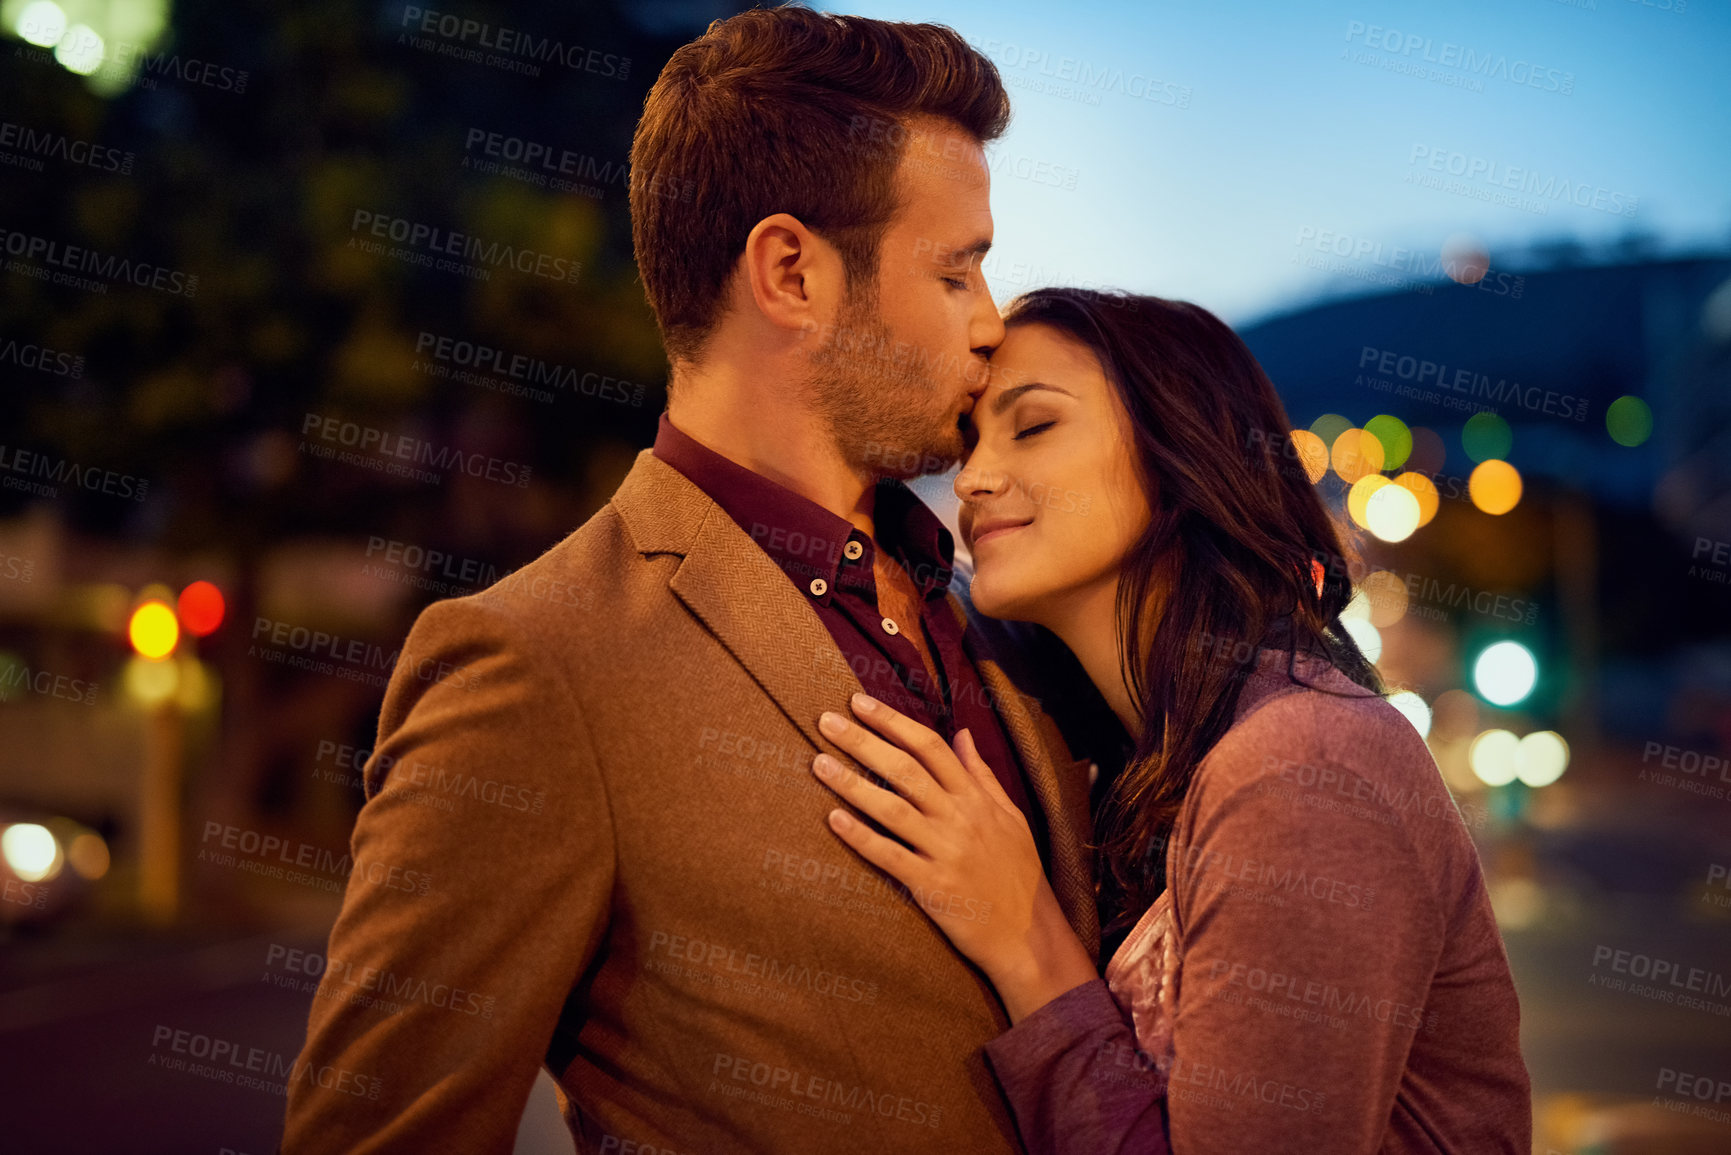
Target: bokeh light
31,851
1429,451
201,608
1505,673
154,630
1392,513
1486,436
1385,598
1629,420
1464,259
1356,454
1542,757
1494,757
80,50
1358,498
42,24
1330,426
88,855
1367,636
1395,437
149,682
1413,708
1495,487
1424,492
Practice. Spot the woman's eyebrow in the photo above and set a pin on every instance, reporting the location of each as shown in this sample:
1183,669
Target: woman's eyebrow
1007,398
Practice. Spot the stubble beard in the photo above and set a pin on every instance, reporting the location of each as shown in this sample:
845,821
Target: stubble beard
881,408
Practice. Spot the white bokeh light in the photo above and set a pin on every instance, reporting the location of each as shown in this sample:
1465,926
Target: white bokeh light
80,50
30,851
1415,710
42,24
1541,758
1368,637
1505,673
1392,513
1494,756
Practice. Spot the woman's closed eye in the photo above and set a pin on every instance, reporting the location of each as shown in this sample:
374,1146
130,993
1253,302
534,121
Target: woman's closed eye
1033,429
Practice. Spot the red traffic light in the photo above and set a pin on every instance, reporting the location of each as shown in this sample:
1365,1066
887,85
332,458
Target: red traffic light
201,608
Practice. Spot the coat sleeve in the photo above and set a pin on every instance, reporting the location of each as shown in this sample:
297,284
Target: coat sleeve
482,863
1076,1081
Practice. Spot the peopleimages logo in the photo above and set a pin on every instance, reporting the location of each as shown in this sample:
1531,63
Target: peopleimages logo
385,452
1460,57
33,144
28,355
1545,187
1423,373
22,465
65,262
1399,259
526,370
504,43
1088,79
443,242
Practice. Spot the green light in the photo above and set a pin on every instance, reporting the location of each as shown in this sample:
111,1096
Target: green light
1487,436
1629,421
1396,439
1329,427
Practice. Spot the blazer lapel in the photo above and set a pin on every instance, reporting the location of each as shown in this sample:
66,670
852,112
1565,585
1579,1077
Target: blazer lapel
742,596
746,600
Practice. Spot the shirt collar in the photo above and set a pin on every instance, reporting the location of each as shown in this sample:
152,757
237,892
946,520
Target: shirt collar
806,540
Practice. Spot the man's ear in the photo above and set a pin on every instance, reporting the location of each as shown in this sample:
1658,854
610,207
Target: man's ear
795,276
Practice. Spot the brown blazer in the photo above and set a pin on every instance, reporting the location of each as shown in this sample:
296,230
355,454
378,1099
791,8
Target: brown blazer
592,841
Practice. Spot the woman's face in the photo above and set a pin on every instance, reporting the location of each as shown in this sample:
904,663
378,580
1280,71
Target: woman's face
1051,455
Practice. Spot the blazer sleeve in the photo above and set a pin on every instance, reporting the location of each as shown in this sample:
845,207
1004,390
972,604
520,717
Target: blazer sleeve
482,862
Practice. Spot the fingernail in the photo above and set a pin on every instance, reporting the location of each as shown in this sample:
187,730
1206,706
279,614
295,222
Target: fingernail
864,703
825,766
839,819
831,723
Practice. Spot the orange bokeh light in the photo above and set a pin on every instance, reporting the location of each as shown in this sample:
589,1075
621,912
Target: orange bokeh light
1495,486
1356,455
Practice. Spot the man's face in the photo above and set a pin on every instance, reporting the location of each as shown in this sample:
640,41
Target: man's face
900,370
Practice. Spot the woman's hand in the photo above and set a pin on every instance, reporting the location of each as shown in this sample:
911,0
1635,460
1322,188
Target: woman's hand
973,866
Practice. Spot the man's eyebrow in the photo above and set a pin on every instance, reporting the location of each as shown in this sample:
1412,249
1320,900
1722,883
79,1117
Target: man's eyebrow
1008,397
977,249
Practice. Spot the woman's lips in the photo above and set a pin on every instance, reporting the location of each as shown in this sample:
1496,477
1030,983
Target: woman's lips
999,532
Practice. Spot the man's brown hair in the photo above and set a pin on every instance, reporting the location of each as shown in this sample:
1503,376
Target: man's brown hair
786,110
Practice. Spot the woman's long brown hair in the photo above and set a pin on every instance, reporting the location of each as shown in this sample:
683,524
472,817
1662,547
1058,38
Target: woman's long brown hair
1228,566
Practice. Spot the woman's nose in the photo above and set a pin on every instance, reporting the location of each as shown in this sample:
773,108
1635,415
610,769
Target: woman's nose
977,477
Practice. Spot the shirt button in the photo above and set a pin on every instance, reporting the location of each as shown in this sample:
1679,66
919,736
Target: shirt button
890,626
819,587
853,549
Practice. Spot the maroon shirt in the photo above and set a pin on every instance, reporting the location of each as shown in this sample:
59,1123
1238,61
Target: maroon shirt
829,560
